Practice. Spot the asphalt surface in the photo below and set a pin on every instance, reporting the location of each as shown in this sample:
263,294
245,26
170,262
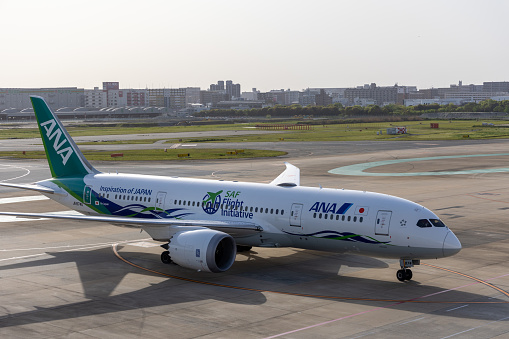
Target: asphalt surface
63,278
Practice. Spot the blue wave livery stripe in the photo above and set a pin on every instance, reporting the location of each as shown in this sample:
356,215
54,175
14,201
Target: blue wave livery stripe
346,236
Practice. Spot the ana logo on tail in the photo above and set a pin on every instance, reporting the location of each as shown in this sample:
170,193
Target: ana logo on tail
65,153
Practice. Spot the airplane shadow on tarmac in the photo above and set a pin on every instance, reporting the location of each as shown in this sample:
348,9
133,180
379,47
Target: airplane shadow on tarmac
100,274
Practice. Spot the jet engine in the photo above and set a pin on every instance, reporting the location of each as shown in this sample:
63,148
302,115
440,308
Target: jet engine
203,249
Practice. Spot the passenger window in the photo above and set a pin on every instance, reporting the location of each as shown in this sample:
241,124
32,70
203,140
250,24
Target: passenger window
256,210
343,218
251,209
325,216
277,211
282,212
361,219
349,218
423,223
320,216
271,211
354,219
314,215
175,202
266,210
337,216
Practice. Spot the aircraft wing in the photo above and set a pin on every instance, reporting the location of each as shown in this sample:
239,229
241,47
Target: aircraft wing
289,177
233,228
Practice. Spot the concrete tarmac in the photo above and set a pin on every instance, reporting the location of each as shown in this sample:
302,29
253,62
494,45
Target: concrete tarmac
62,279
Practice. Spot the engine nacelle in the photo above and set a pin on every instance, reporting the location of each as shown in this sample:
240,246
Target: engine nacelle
204,249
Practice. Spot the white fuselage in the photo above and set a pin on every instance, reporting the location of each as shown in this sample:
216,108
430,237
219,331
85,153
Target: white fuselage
334,220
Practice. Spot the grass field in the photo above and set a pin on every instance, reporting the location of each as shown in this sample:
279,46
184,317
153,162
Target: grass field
416,130
75,131
447,130
157,155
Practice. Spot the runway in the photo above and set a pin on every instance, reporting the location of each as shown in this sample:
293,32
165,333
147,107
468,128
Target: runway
87,280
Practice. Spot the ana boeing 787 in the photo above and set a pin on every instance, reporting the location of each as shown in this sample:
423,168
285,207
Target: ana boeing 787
202,223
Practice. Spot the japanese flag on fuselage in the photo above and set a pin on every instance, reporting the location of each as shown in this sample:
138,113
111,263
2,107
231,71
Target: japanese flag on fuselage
361,210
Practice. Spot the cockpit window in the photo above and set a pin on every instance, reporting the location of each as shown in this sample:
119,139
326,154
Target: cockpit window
437,222
423,223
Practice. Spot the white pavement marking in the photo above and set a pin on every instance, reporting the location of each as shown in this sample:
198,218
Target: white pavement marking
22,199
456,308
73,248
474,328
16,167
12,218
145,244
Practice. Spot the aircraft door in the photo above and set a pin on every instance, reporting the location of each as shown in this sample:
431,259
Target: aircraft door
383,220
295,215
160,200
87,195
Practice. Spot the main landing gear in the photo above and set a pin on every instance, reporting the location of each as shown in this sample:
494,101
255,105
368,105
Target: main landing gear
165,256
405,273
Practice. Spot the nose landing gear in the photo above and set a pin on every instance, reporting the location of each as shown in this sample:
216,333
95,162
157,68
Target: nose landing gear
405,273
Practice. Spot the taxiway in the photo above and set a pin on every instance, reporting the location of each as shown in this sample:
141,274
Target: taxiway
86,280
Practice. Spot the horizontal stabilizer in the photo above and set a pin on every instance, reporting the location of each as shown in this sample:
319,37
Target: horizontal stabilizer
36,188
289,177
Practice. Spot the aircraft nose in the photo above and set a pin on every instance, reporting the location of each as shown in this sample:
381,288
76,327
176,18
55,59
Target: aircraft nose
451,244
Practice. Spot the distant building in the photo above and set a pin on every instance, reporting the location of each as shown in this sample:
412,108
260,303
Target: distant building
111,85
116,98
175,98
239,104
253,95
323,99
211,98
156,97
96,98
137,97
232,89
113,98
192,95
415,102
380,95
219,87
56,98
308,96
496,87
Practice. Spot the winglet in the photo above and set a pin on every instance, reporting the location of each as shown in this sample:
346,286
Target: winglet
289,177
64,157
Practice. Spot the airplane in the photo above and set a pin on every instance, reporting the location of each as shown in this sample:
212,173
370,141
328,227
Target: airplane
204,223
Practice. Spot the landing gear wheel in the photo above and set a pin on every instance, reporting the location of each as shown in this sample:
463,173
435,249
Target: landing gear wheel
404,274
165,257
408,274
400,274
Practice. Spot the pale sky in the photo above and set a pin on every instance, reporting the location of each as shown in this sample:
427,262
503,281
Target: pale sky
264,44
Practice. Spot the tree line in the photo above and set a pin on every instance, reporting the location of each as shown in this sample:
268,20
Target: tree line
370,110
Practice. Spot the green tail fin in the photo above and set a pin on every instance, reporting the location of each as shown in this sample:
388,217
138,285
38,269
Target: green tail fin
64,157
